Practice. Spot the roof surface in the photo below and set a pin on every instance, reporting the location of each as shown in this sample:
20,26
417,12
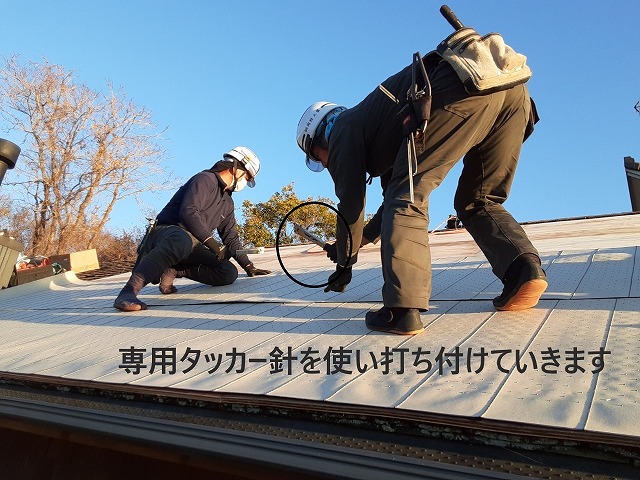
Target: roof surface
571,362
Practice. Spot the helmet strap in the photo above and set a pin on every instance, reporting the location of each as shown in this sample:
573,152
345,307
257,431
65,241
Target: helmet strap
233,174
320,140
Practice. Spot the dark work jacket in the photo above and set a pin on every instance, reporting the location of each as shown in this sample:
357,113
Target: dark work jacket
364,141
201,206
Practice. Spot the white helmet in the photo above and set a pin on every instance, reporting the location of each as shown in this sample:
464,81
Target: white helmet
249,160
307,127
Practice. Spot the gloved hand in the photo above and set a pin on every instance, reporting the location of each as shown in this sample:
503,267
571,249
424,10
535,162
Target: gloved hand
332,251
339,279
215,247
252,271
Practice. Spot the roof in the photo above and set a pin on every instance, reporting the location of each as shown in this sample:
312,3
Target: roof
565,369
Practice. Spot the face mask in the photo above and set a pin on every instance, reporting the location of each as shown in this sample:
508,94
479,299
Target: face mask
239,184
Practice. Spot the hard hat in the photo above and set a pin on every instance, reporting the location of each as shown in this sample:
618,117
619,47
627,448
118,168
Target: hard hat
307,126
249,160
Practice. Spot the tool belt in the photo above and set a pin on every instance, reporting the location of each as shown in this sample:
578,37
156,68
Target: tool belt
414,115
484,64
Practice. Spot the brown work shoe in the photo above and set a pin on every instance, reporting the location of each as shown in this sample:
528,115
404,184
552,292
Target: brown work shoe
401,321
524,290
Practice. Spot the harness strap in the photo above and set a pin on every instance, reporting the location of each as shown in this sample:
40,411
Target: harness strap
421,103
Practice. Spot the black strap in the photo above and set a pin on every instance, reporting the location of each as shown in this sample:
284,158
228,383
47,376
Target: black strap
421,99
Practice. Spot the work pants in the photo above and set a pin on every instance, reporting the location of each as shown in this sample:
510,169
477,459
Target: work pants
488,132
170,246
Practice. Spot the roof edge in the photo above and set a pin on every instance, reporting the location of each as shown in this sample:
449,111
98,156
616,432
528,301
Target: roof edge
433,425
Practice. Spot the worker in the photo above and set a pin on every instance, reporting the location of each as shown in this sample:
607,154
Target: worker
368,141
181,244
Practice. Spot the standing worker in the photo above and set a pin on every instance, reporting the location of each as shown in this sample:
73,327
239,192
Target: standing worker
181,243
487,129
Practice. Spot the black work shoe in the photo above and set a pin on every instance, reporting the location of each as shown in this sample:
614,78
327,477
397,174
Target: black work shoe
166,281
128,302
524,290
402,321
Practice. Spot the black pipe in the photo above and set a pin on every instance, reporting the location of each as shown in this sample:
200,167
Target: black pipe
448,14
9,153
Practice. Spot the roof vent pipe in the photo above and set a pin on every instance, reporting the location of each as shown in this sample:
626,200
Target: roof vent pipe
9,152
633,180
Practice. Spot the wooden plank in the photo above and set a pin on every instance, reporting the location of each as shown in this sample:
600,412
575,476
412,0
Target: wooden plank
328,387
616,402
165,329
469,385
495,287
444,329
333,329
479,277
609,274
566,271
635,280
549,394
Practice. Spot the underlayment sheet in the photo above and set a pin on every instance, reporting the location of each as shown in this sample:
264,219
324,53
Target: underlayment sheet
570,362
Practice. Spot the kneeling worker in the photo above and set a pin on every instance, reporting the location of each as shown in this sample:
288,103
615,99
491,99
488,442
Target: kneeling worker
181,244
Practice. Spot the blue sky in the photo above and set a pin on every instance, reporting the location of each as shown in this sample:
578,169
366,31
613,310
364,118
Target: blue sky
221,74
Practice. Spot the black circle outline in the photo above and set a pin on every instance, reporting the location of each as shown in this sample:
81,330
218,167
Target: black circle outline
278,242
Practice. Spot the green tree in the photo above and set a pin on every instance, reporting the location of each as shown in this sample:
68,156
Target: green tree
263,219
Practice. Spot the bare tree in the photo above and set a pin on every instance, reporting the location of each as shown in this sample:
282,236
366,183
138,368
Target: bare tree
120,247
83,151
14,221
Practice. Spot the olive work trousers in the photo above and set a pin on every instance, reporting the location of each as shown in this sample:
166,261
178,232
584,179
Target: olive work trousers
488,132
170,246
